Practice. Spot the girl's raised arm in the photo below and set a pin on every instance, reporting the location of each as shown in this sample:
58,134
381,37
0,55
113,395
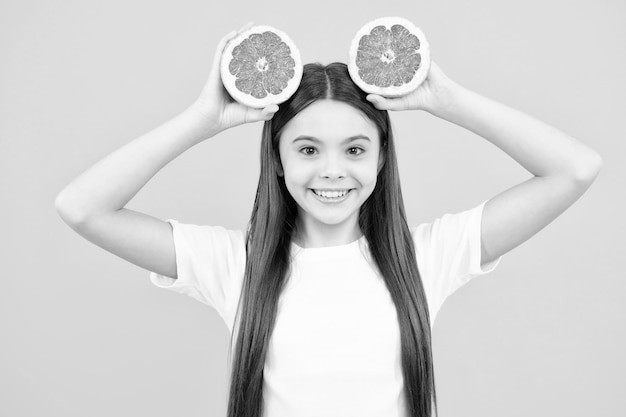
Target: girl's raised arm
93,203
563,167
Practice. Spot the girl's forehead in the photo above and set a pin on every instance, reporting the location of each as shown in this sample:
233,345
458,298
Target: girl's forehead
330,119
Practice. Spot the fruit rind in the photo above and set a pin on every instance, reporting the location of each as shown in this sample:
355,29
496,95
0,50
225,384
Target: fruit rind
391,91
229,79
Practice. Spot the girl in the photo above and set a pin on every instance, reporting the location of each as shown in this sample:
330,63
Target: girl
329,295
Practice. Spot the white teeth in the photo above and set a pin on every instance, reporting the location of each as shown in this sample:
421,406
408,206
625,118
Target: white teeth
331,194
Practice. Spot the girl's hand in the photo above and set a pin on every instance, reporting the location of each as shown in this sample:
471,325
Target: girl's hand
216,108
434,94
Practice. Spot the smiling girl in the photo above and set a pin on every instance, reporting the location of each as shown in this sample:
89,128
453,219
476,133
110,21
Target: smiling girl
329,296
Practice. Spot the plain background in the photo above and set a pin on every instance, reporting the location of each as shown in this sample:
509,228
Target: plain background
85,333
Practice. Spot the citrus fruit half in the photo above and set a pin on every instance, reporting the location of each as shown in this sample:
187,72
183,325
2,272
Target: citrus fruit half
389,56
261,66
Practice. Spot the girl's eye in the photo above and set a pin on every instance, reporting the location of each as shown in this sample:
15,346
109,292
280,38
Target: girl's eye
355,151
308,150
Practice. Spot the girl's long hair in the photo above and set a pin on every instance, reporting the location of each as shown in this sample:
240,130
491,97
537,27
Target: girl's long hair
381,219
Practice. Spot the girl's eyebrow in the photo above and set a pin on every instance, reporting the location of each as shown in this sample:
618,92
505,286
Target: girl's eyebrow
316,140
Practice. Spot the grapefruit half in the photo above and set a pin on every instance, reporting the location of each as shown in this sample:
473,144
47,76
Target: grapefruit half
389,56
261,66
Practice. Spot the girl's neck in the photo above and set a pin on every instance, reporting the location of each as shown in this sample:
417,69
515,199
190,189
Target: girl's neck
318,235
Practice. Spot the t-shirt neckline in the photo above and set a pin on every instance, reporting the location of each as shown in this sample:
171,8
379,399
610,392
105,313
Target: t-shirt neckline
329,248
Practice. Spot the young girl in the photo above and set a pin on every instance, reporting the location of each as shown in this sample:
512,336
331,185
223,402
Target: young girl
329,295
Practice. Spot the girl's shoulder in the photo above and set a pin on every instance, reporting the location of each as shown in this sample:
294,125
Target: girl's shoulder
452,240
203,238
448,252
210,264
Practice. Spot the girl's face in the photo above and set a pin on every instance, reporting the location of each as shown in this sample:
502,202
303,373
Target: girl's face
330,155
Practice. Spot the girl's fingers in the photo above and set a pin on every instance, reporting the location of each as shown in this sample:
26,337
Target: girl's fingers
224,41
246,27
255,115
217,58
382,103
269,111
374,98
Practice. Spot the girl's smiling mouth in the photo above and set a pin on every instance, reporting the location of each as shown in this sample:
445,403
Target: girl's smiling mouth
328,195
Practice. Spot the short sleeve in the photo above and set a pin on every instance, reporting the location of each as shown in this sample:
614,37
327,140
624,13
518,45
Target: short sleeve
448,252
210,264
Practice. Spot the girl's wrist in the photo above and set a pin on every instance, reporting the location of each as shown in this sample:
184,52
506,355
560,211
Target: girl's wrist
447,94
200,123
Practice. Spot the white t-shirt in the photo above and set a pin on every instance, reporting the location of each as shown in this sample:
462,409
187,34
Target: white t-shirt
335,347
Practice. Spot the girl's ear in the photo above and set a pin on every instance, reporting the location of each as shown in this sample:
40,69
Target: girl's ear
381,160
279,168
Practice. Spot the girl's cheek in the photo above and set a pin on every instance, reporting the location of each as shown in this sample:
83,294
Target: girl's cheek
368,170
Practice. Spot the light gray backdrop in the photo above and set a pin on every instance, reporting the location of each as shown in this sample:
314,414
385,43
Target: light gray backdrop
85,333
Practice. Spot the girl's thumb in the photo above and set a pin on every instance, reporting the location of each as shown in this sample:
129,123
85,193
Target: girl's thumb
383,103
266,113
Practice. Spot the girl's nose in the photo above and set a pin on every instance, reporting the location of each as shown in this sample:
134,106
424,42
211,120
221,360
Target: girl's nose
332,168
